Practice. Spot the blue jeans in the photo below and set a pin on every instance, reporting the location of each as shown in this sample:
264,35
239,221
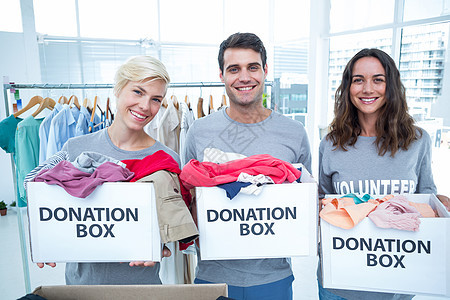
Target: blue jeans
278,290
324,294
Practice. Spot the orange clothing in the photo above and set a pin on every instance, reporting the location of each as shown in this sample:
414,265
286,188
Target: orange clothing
344,213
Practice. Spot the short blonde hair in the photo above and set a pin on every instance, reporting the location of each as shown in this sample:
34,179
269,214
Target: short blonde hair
140,68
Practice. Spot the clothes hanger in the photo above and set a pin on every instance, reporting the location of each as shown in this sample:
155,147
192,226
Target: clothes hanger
87,103
46,103
63,100
75,101
100,109
200,112
224,100
91,123
33,101
174,101
210,105
109,114
102,114
186,100
107,108
164,102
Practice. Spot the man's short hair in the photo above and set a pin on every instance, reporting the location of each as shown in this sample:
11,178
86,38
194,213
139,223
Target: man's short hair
243,41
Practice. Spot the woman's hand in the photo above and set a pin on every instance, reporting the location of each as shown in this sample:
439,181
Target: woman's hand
41,265
445,200
165,253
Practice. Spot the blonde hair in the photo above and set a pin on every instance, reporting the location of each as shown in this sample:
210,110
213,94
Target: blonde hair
140,68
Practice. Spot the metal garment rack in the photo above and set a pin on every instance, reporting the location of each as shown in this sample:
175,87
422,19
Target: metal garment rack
47,86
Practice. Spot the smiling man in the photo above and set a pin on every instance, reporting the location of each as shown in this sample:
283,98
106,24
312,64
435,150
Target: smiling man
247,128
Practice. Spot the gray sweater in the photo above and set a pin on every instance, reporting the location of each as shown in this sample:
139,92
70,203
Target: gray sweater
361,170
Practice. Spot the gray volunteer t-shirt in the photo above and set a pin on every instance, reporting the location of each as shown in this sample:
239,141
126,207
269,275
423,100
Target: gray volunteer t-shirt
361,170
110,273
279,136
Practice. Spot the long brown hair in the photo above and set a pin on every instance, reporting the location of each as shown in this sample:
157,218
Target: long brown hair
395,127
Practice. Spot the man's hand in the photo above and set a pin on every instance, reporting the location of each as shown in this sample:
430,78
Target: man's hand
166,253
445,200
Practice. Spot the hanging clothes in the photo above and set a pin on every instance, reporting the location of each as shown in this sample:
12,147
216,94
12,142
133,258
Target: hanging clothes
152,127
62,128
44,130
187,118
169,128
8,127
27,152
200,113
82,126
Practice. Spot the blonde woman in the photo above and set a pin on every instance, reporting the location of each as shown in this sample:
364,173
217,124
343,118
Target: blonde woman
140,86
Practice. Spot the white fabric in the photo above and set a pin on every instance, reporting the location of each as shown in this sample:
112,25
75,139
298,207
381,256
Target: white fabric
257,182
169,128
152,127
187,118
219,157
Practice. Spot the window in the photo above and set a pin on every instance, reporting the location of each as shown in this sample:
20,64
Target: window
55,17
130,19
343,48
10,16
185,22
247,16
414,9
354,14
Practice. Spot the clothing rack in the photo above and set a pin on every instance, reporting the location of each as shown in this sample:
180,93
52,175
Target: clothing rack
68,86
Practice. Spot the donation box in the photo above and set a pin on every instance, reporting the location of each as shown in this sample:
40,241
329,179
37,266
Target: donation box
116,223
279,222
370,258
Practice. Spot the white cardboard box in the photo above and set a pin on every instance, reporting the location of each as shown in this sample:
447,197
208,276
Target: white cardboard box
117,222
397,261
279,222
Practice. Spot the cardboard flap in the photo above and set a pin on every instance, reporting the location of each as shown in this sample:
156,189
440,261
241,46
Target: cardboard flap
133,292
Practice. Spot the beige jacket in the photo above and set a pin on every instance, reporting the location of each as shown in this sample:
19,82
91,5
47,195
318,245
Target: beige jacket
175,220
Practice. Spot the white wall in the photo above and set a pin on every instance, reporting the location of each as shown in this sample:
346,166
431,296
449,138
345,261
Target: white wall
13,63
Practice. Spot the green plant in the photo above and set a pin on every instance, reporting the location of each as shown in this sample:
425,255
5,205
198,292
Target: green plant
13,204
2,205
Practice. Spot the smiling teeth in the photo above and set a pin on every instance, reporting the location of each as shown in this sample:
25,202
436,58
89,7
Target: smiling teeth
245,88
137,115
368,100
